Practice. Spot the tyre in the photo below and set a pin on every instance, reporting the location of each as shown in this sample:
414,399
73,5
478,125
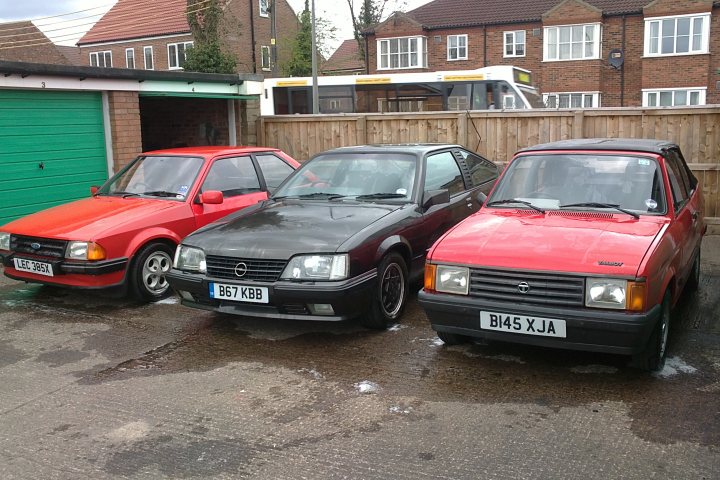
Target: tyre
693,281
391,293
652,358
147,274
452,338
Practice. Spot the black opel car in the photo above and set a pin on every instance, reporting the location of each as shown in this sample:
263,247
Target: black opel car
343,237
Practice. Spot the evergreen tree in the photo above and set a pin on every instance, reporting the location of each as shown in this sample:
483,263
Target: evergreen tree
206,55
300,63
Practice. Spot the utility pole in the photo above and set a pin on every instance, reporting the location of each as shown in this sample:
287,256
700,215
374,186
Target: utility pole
273,42
315,95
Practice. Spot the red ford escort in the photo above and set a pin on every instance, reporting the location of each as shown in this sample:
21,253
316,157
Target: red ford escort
583,244
125,234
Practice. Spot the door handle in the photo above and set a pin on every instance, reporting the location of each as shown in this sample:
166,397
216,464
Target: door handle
695,215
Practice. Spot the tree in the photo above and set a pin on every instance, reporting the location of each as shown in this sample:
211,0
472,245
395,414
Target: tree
206,55
371,12
300,63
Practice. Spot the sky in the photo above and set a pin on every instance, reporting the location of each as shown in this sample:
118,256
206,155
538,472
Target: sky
65,29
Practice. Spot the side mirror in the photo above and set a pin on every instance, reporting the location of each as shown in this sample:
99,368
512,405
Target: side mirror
93,190
481,198
212,197
435,197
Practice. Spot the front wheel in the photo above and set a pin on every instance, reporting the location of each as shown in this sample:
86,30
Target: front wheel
452,338
652,358
148,271
391,293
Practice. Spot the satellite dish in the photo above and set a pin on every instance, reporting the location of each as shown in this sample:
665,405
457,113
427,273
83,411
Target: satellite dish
616,58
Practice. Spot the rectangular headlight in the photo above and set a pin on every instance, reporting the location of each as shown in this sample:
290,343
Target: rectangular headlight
450,279
4,241
85,251
605,293
190,259
317,267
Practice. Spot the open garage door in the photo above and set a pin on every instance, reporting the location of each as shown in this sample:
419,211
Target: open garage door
52,149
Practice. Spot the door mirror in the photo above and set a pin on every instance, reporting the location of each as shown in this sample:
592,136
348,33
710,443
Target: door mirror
481,198
211,197
93,190
435,197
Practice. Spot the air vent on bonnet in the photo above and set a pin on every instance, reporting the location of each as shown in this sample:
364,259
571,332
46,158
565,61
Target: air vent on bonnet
563,213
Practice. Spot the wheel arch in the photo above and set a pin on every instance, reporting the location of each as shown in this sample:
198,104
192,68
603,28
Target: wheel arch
395,243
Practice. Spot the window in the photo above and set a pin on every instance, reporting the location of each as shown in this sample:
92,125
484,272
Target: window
571,100
442,172
572,42
481,171
101,59
406,52
515,44
264,8
678,187
130,57
265,57
457,47
176,54
232,176
682,35
674,97
148,55
274,170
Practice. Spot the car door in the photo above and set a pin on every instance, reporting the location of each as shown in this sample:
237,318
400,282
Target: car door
681,229
274,170
237,178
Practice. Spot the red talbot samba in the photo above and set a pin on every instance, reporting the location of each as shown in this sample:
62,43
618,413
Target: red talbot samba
583,244
125,234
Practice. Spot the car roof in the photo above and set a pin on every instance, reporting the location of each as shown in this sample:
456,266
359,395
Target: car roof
210,150
418,149
617,144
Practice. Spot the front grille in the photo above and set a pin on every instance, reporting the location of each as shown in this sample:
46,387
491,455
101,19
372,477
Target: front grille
547,289
294,309
257,270
46,247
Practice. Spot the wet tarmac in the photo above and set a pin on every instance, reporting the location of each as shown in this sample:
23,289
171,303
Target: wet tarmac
92,387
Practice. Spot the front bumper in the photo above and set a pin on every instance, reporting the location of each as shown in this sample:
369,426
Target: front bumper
102,274
287,300
586,329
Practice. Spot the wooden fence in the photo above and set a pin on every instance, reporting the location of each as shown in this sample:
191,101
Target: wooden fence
497,135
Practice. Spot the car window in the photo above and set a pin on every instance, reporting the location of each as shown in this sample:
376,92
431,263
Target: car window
687,177
678,187
168,177
232,176
273,169
481,171
442,171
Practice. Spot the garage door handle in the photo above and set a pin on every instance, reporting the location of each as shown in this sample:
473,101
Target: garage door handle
41,166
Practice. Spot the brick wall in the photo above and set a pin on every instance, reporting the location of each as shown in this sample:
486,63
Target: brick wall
159,46
125,127
713,92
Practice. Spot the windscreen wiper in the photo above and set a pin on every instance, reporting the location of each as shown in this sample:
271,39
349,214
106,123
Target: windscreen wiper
126,194
161,193
602,205
514,200
371,196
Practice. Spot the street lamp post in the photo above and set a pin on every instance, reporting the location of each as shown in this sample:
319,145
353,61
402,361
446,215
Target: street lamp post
315,95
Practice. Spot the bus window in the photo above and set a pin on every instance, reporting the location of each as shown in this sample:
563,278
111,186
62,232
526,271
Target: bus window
458,96
336,99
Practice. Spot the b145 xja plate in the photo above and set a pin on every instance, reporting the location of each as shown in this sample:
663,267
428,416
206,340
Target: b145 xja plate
32,266
238,293
506,322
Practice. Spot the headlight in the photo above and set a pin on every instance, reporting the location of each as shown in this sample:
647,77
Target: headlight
449,279
190,259
317,267
605,293
85,251
4,241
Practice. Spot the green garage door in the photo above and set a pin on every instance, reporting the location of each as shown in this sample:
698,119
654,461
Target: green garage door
52,149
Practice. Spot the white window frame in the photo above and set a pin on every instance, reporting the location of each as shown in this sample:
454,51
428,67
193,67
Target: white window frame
264,8
649,92
457,47
105,54
264,49
421,52
152,57
176,57
556,31
514,43
128,59
704,35
593,97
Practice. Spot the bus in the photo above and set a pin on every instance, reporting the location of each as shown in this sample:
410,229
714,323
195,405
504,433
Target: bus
497,87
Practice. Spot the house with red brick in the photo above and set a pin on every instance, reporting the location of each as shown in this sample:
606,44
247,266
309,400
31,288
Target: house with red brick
24,42
346,60
154,34
582,53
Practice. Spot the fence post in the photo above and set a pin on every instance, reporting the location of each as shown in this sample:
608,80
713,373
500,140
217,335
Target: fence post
462,135
579,124
361,130
260,128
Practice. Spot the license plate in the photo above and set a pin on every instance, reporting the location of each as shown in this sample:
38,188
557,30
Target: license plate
31,266
506,322
238,293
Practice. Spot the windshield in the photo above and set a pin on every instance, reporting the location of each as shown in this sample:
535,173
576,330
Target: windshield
358,175
582,181
157,176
